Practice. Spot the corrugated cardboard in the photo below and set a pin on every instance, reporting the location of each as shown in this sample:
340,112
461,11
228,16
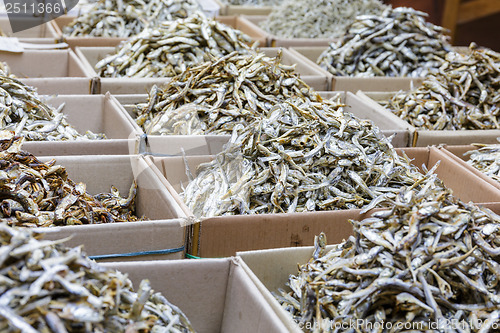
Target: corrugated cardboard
223,236
42,31
99,173
424,138
90,56
353,84
275,41
217,295
232,21
243,10
457,154
46,63
60,85
97,113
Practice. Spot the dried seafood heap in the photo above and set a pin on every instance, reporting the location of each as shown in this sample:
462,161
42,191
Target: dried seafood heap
399,42
172,47
24,113
214,97
463,95
486,159
49,288
317,18
428,264
125,18
37,194
303,156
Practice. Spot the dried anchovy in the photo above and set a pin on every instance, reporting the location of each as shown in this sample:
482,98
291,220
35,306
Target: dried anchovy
486,159
5,69
399,42
22,111
317,18
429,260
37,194
125,18
302,156
172,47
214,97
256,3
50,288
463,94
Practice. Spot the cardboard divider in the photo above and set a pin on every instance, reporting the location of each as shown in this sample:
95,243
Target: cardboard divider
44,63
424,138
96,113
41,31
217,295
233,21
353,84
225,235
276,41
60,85
90,56
457,154
164,230
226,9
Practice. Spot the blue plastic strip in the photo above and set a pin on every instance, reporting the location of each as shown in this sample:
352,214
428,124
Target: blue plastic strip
135,254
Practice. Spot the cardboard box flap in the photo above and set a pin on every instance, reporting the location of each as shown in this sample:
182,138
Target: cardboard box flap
461,137
40,31
60,85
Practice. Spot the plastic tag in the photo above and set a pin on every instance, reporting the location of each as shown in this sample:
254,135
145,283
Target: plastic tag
11,44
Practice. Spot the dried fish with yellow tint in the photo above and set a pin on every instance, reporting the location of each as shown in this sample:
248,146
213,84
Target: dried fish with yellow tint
125,18
398,42
486,158
47,287
429,260
38,194
317,18
464,94
23,112
217,96
301,155
172,47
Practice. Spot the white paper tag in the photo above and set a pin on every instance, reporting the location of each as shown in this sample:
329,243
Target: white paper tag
11,44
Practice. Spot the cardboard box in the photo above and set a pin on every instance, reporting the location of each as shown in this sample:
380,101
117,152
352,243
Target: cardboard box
275,41
46,63
232,21
41,31
217,295
353,84
97,113
163,231
226,9
225,235
423,138
457,154
62,85
90,56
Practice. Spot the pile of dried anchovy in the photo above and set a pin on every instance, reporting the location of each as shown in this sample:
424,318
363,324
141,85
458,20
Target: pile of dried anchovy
255,3
23,112
37,194
5,70
50,288
399,42
216,96
317,18
303,156
486,159
463,94
125,18
172,47
430,260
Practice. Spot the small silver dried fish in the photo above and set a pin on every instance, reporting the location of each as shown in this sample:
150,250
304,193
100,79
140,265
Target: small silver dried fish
428,264
464,94
398,42
46,287
22,111
172,47
217,96
317,18
301,155
125,18
37,194
486,158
